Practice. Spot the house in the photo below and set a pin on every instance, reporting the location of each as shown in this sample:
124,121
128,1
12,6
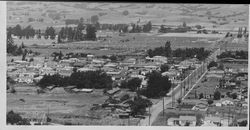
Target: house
111,65
227,102
161,59
21,62
113,91
214,120
187,120
85,69
218,104
173,121
79,64
211,121
83,90
200,107
97,61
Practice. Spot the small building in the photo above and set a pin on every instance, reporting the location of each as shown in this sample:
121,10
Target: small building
113,91
85,69
200,107
161,59
187,120
173,121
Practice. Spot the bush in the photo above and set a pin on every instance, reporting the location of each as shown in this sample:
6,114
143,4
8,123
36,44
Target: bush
132,84
217,95
125,12
164,68
201,96
212,64
210,101
16,119
234,95
138,106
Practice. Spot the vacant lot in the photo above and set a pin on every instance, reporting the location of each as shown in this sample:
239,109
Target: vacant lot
63,107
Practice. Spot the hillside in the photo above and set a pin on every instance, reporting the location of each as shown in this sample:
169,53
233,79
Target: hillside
221,16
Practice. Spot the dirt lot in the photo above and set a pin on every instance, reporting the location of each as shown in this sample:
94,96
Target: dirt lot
63,108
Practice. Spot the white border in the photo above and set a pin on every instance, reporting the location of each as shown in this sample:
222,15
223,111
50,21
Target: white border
3,104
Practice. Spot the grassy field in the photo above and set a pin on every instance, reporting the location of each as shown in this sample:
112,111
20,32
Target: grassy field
63,107
114,45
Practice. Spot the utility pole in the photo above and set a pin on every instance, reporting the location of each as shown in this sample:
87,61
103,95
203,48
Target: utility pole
128,120
172,94
163,107
149,116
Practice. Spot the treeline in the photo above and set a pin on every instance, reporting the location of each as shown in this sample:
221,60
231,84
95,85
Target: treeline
27,32
137,29
89,79
69,34
199,53
180,29
234,54
161,51
49,33
13,48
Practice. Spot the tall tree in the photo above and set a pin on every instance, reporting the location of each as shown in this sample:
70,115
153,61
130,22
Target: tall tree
91,32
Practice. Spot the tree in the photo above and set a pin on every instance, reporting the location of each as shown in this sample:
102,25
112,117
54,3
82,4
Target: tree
11,48
212,64
201,96
157,85
210,101
139,105
60,55
184,24
164,68
147,27
22,45
125,12
51,32
234,95
134,84
81,20
113,58
91,33
243,123
217,95
221,66
16,119
168,50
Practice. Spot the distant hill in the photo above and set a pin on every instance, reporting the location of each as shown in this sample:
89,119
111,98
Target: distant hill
54,13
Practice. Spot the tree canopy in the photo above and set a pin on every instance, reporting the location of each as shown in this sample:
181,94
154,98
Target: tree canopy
158,85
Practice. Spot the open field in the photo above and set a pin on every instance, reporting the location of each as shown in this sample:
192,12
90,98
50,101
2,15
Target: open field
115,45
63,107
193,34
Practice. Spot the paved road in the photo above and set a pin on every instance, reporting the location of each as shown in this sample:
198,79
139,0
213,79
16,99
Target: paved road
157,108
